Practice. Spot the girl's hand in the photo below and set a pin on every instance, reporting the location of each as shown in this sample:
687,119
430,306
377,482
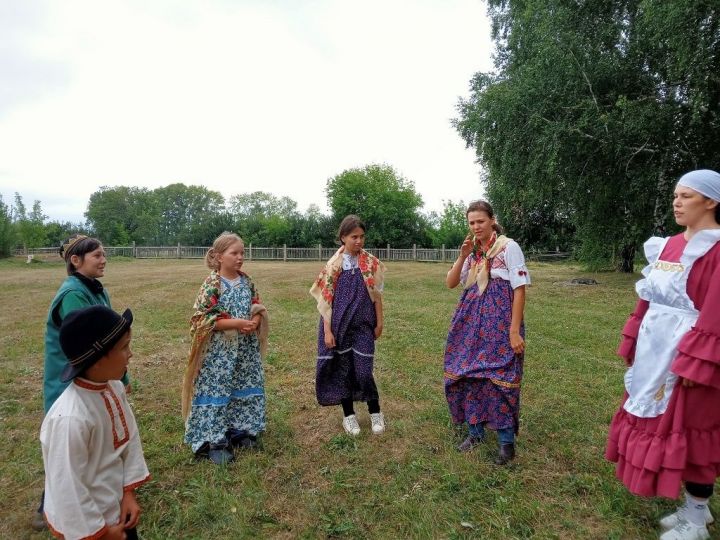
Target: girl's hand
329,340
378,330
517,342
688,383
467,247
245,326
129,510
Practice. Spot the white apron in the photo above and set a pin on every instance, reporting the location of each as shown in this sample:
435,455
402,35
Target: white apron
671,314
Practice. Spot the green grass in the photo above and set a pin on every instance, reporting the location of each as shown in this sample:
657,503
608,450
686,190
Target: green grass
313,481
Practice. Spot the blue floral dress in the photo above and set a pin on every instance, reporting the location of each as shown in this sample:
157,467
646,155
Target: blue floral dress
229,391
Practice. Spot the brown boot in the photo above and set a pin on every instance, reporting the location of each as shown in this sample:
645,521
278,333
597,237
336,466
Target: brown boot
506,454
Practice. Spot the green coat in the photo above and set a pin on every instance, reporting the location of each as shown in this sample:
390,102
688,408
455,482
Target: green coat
72,295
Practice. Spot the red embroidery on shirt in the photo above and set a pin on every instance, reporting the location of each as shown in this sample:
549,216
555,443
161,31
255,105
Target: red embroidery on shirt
89,385
117,441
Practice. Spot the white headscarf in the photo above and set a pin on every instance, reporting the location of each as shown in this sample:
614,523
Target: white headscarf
703,181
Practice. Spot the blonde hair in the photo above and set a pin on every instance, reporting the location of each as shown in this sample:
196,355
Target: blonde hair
220,246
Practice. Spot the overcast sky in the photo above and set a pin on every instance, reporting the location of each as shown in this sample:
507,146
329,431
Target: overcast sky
235,95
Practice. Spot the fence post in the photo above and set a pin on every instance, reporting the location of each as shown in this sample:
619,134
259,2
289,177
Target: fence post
178,250
443,253
319,252
414,252
134,250
387,256
284,252
250,252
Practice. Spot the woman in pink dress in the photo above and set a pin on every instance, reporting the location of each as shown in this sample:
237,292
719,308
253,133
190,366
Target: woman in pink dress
667,430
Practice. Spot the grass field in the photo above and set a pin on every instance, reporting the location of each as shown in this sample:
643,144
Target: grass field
311,481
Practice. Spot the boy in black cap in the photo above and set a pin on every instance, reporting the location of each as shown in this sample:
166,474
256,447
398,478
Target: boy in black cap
90,441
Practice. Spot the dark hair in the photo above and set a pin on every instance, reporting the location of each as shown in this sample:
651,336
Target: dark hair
79,245
348,225
484,206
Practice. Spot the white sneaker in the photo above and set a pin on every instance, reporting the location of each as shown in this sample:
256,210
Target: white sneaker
669,522
684,530
377,421
351,425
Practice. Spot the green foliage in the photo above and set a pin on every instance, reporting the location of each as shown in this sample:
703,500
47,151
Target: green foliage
594,110
7,231
385,200
118,215
29,227
164,216
183,210
450,227
57,232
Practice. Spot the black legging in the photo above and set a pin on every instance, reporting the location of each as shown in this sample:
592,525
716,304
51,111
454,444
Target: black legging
347,405
700,491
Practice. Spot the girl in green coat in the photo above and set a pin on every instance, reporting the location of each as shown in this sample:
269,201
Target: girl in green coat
85,261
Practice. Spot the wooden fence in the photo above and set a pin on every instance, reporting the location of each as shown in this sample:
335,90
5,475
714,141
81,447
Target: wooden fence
284,253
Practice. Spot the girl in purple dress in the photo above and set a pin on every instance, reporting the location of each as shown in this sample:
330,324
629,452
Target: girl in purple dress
349,298
485,344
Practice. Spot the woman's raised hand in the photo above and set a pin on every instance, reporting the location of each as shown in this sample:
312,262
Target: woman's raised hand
467,246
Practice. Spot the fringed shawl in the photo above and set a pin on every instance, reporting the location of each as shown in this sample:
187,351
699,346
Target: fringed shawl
202,325
480,263
323,290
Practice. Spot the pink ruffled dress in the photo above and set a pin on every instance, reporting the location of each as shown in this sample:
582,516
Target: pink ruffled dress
664,432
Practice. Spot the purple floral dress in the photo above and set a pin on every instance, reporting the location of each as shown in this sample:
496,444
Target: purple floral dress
482,373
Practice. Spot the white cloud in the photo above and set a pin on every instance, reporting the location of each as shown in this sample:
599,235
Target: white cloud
241,96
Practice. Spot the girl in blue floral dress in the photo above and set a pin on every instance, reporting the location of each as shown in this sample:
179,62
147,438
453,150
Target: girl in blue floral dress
485,345
223,400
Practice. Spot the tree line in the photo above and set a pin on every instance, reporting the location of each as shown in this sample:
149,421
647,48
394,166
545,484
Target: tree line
196,215
593,111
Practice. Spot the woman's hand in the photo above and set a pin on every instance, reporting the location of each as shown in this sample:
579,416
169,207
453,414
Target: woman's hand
129,510
687,383
329,339
467,247
517,342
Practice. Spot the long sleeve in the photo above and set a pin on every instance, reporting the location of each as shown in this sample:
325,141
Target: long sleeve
626,349
71,511
135,471
698,357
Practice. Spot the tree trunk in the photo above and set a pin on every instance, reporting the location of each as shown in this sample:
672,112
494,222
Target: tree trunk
627,258
662,203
